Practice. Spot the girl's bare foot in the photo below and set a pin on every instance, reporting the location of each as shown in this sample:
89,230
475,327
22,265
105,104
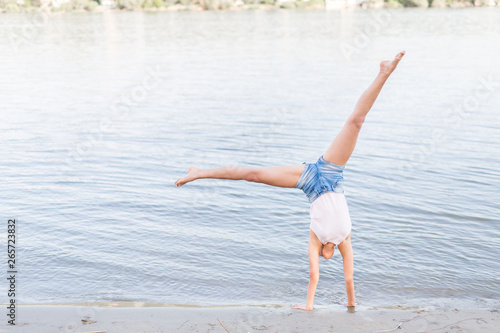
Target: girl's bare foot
191,175
387,67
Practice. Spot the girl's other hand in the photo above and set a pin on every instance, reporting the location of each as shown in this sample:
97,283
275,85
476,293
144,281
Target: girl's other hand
301,307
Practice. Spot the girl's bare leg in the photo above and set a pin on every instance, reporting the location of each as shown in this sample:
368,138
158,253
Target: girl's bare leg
339,151
341,148
281,176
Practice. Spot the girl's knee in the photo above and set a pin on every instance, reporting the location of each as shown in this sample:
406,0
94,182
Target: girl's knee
357,121
252,175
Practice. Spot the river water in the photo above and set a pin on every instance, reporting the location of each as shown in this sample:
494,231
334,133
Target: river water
102,112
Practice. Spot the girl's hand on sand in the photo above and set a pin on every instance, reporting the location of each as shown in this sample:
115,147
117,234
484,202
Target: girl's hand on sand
301,307
345,303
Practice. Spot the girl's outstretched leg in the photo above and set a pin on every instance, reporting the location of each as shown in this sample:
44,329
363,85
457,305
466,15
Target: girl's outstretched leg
341,148
281,176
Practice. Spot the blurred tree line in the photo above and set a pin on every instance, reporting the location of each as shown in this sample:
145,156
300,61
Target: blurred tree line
101,5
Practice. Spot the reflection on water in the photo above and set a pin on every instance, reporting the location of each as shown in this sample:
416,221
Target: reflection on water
102,112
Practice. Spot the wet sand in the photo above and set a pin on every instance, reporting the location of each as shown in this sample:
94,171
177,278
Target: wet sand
149,317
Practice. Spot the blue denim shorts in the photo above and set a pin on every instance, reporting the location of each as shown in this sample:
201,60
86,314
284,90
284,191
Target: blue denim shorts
321,177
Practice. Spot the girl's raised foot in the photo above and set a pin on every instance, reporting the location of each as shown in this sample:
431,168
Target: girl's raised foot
191,175
387,67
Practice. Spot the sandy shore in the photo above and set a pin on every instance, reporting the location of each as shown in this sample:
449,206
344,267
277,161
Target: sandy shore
142,317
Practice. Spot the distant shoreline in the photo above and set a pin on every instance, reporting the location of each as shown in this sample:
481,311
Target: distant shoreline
61,6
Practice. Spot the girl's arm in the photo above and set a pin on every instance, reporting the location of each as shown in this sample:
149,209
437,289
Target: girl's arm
345,249
314,246
313,279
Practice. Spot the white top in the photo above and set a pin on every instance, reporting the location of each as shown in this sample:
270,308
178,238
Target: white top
330,219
